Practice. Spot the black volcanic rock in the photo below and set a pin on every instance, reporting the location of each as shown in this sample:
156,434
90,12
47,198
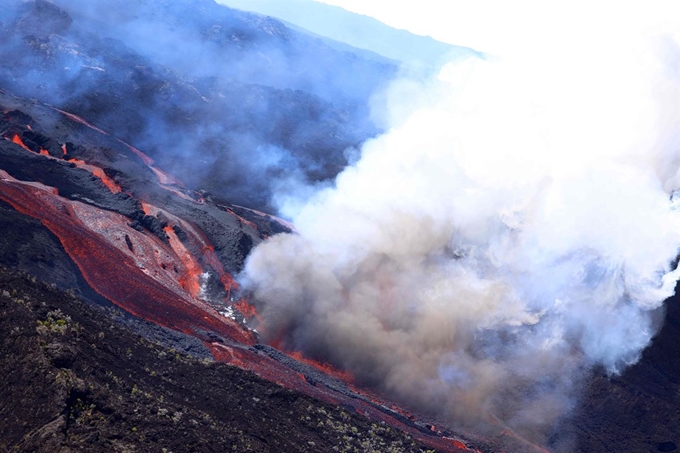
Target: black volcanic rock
638,411
236,104
71,182
44,18
121,268
27,245
232,102
73,381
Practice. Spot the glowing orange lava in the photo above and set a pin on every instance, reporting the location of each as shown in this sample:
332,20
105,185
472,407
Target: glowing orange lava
197,246
239,218
247,310
146,159
80,120
99,173
133,279
190,280
17,140
165,178
142,279
344,376
147,208
458,444
285,223
93,239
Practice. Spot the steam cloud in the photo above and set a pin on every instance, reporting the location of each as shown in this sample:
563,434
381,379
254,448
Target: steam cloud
514,228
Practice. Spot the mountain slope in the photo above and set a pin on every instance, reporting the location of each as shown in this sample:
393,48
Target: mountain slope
228,101
93,215
76,381
85,204
357,30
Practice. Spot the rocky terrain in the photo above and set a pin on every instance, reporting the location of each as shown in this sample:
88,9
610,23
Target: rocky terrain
133,185
76,380
231,101
93,215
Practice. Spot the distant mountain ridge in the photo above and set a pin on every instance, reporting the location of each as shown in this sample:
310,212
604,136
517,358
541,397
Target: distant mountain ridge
357,30
341,46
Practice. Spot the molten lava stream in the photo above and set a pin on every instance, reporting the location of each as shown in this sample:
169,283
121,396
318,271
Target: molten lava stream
247,310
239,218
270,369
146,159
94,239
278,343
79,120
190,281
166,178
147,208
129,277
326,368
197,242
200,241
163,177
285,223
18,141
99,173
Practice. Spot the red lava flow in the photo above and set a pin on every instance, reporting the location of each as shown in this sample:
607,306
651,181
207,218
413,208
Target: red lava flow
18,141
239,218
190,280
99,173
129,280
326,368
137,281
80,120
161,284
285,223
166,180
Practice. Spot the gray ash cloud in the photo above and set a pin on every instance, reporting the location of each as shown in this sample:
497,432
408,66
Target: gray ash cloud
515,229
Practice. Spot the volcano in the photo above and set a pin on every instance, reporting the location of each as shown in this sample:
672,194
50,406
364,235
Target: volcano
141,144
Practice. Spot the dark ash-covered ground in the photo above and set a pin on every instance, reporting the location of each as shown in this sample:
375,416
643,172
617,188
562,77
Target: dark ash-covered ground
75,380
94,377
36,240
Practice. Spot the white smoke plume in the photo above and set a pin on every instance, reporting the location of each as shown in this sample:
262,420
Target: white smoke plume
514,228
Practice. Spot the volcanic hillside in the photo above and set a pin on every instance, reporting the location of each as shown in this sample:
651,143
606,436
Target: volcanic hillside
232,101
95,217
86,210
140,145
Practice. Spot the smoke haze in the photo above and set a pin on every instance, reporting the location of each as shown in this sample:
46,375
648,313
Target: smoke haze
228,101
513,229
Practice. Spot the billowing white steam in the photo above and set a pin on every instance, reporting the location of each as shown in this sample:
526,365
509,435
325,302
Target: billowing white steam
513,228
